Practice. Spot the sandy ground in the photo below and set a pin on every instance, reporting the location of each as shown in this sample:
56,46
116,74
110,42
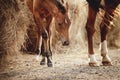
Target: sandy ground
70,63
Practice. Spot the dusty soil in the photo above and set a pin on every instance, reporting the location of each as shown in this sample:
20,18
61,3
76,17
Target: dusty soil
70,63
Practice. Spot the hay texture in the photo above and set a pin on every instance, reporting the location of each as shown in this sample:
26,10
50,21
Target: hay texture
14,20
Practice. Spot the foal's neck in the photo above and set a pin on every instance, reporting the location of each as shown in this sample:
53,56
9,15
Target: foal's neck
53,7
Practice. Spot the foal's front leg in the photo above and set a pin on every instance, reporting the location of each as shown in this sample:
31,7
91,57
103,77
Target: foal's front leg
46,35
47,52
43,54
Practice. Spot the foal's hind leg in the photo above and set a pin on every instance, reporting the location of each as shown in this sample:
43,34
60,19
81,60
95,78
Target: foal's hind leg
104,27
90,32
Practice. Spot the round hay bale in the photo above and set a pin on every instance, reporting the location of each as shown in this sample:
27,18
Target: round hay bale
14,19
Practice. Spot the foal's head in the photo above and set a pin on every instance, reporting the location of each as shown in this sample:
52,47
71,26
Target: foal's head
62,24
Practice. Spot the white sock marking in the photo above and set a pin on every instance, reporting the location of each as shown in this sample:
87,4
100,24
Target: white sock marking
92,58
104,49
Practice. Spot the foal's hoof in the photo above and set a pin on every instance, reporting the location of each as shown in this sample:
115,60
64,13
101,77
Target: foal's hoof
42,62
107,63
93,64
50,64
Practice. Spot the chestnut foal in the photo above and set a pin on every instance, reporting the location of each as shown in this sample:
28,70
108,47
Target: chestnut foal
43,12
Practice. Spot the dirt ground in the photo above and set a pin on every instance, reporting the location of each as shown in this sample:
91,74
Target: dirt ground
70,63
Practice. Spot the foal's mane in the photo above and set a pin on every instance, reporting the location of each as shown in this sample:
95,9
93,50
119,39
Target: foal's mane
60,6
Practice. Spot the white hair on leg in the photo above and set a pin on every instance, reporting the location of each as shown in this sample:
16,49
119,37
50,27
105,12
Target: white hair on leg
38,55
92,58
104,49
104,53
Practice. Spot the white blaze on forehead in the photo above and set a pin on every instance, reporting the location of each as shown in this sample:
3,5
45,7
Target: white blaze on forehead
104,49
92,58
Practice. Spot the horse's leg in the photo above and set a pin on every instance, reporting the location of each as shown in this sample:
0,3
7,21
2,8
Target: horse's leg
46,41
42,62
38,49
90,32
104,27
38,21
49,20
47,52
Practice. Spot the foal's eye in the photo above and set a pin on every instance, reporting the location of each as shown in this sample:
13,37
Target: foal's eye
59,24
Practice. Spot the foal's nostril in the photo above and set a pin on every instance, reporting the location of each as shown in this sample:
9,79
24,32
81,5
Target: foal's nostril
66,43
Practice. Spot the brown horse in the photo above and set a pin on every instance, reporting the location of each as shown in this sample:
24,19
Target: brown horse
109,7
43,12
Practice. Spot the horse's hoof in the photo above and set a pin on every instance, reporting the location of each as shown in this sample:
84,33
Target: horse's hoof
94,64
50,64
42,62
107,63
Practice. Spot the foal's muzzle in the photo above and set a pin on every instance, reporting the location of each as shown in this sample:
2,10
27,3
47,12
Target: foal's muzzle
65,43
